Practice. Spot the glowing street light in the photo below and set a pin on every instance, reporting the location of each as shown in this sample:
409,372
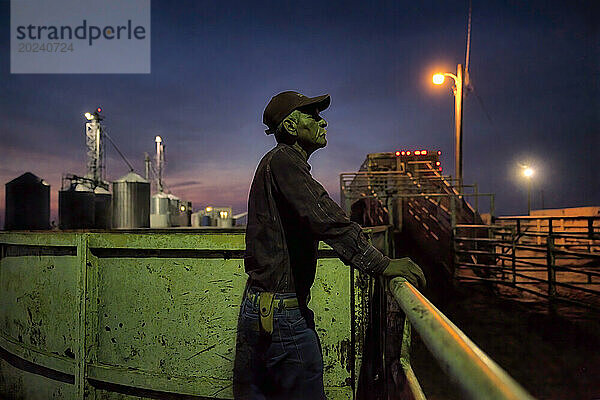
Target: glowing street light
88,116
528,172
438,79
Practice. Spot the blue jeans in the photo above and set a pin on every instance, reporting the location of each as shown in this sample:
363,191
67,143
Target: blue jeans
285,365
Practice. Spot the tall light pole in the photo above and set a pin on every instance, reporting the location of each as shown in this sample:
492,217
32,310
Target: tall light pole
528,173
160,162
438,79
94,140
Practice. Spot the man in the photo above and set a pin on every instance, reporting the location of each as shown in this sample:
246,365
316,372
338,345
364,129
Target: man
278,354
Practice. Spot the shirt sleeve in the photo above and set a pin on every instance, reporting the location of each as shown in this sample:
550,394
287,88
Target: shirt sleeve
325,219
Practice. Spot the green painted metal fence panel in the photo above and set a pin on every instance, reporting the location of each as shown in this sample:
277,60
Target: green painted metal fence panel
155,311
38,302
38,309
172,318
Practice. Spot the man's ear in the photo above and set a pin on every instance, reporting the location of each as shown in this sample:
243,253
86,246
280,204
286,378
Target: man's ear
290,126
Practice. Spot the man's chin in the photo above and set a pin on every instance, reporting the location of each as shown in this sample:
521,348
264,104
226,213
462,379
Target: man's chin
323,139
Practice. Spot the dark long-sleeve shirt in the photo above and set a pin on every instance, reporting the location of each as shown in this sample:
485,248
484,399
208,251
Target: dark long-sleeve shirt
288,213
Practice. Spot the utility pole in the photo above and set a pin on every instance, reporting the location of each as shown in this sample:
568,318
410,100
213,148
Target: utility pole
458,117
529,196
438,79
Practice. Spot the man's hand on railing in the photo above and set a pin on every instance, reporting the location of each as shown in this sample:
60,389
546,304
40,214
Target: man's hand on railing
407,269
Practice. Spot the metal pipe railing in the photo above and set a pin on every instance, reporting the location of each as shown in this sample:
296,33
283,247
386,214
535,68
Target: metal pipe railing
478,376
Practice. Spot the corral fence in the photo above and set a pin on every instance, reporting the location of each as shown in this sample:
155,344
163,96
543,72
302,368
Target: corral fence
557,258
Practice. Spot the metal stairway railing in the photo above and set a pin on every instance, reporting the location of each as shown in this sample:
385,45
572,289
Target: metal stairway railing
426,207
430,207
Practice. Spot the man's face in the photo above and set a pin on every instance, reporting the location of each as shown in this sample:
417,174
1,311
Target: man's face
311,130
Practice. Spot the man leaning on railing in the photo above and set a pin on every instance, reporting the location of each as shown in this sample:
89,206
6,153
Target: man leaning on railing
278,354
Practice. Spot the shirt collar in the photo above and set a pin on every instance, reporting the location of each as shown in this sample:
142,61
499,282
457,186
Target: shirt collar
296,153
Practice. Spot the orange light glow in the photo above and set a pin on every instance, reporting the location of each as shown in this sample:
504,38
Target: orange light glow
417,153
423,152
408,153
397,153
403,153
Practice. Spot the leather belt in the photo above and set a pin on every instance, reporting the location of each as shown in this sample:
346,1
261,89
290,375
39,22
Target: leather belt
286,303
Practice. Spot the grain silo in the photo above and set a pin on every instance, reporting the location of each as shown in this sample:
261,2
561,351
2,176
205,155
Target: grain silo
102,208
76,208
27,203
131,202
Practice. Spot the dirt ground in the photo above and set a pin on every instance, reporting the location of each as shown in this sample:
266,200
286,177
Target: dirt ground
553,351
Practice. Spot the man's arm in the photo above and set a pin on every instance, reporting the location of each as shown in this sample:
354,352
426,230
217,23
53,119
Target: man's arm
325,219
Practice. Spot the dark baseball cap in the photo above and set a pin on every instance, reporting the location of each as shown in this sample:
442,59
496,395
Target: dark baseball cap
284,103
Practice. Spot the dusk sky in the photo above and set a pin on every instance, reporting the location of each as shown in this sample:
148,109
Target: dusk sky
215,65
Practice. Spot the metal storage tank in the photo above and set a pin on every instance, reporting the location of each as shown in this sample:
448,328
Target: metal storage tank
76,208
160,204
27,203
225,222
225,218
103,208
174,211
159,217
196,219
131,202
